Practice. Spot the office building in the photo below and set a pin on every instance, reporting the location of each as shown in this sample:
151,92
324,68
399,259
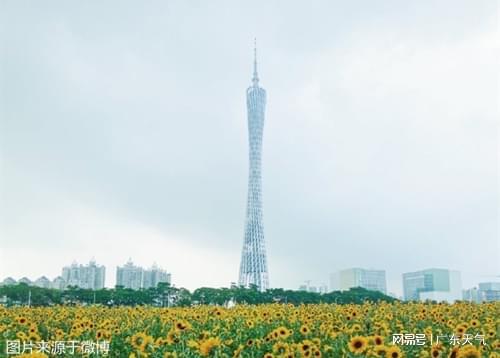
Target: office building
358,277
432,284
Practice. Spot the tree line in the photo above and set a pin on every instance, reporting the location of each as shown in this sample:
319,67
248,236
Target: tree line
165,295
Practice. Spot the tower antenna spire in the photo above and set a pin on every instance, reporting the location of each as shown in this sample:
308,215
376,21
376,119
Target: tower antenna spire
255,78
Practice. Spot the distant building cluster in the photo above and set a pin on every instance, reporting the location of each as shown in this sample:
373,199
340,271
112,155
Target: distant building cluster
429,284
135,277
40,282
92,276
486,292
309,288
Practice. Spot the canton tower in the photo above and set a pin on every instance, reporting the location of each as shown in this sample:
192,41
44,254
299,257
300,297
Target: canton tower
253,266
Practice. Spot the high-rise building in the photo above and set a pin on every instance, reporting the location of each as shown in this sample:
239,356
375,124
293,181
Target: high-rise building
89,276
136,277
358,277
93,276
471,295
432,284
155,275
253,266
71,274
129,276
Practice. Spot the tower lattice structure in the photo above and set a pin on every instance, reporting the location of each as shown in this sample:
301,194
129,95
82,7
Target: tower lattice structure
253,267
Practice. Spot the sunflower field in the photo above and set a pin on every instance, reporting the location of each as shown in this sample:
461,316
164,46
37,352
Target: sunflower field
263,331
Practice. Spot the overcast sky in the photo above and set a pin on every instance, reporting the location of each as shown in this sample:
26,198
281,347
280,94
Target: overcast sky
124,134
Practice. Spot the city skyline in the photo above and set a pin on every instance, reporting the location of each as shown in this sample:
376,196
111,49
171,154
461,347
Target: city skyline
439,284
127,135
93,276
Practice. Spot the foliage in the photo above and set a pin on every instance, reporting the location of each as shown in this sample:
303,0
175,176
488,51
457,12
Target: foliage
166,295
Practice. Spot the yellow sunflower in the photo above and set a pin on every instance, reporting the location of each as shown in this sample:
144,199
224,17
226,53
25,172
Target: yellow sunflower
147,344
305,346
378,340
137,339
316,352
172,337
435,351
182,325
304,329
468,352
281,348
358,344
33,355
475,323
380,351
208,345
22,320
394,352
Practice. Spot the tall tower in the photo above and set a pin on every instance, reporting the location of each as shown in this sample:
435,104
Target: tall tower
253,267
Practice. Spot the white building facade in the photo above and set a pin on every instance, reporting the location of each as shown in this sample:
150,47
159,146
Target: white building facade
135,277
155,275
90,276
129,276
